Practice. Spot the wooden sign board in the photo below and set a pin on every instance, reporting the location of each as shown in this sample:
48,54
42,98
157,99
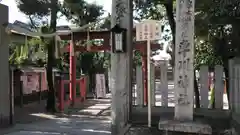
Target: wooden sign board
148,30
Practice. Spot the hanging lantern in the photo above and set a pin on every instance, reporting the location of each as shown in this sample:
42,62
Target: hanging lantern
89,45
119,39
72,46
57,46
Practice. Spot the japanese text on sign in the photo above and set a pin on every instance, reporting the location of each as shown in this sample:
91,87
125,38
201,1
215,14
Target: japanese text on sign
148,30
184,52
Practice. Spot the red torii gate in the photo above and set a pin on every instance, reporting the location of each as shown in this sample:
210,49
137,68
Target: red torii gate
105,35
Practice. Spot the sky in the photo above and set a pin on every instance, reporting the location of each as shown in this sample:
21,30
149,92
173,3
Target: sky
15,14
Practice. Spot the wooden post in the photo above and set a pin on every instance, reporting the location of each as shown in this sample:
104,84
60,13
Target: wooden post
21,93
219,86
153,81
236,87
204,86
40,86
121,69
144,70
164,83
61,95
140,85
184,56
231,83
12,121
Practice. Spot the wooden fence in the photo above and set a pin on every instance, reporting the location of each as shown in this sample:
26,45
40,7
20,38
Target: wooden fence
163,89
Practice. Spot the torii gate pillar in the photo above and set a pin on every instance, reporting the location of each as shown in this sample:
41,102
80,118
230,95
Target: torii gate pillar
72,73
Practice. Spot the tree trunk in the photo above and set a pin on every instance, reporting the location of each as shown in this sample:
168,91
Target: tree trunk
196,91
51,101
172,23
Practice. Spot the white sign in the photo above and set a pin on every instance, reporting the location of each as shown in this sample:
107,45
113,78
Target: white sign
148,30
100,86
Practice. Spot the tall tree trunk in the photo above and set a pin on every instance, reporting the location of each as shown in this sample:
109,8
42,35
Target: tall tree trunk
51,101
172,23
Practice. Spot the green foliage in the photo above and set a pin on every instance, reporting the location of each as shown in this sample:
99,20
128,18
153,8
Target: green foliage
205,55
218,26
80,12
34,7
149,9
137,59
219,41
31,53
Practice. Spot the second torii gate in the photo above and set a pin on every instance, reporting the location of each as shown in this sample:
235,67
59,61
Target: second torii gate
105,36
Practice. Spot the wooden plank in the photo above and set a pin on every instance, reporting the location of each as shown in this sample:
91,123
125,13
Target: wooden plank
139,90
164,83
204,87
219,86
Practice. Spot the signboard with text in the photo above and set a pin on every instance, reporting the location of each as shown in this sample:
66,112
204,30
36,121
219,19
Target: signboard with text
100,86
148,30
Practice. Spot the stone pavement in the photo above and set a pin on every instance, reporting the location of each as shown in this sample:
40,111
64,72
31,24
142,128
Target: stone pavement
65,126
82,120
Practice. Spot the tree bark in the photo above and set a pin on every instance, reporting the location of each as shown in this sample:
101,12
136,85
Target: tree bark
51,101
172,23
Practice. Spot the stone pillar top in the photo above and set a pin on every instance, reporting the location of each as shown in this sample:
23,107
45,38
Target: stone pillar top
4,14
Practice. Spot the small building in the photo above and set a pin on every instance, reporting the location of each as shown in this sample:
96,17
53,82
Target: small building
31,82
19,32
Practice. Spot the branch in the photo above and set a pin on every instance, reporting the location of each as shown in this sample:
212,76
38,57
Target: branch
33,24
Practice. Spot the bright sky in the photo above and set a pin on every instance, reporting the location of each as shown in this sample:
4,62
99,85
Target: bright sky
15,14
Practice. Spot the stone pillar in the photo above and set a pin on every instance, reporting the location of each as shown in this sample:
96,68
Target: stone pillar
4,70
184,75
121,69
184,56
